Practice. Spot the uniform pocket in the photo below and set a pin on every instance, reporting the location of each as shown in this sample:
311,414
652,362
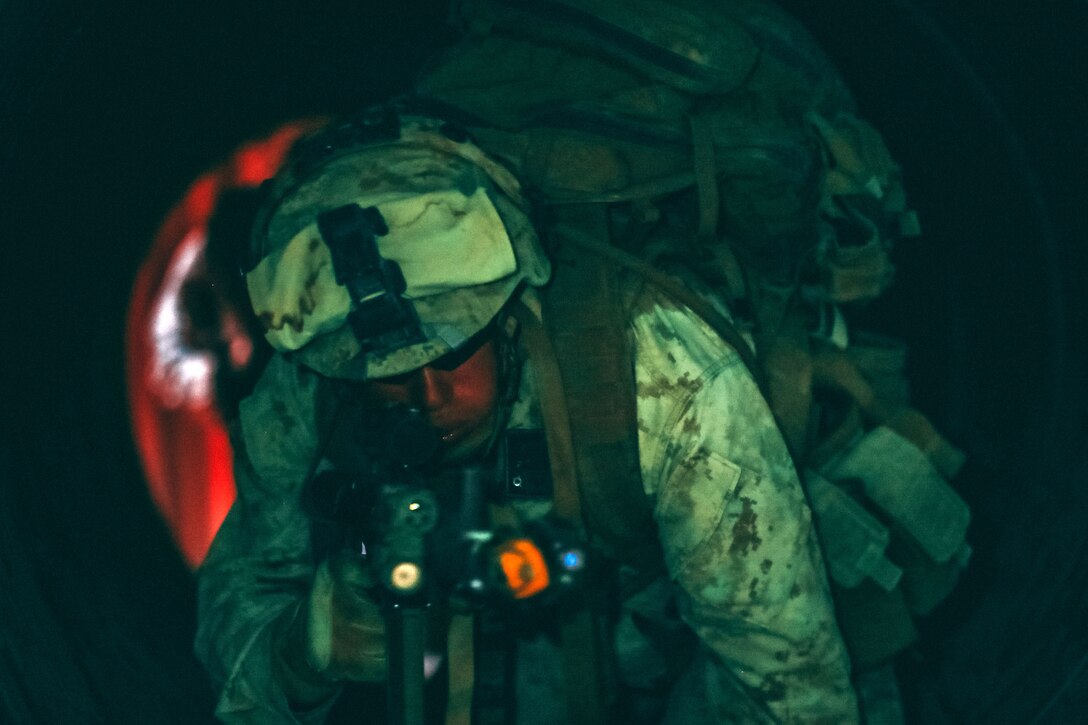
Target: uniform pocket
694,501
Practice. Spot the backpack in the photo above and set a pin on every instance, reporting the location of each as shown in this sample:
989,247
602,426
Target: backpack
712,149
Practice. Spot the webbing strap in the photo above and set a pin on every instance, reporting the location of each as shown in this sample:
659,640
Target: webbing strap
787,361
833,368
674,289
461,651
581,642
584,315
706,175
553,409
860,272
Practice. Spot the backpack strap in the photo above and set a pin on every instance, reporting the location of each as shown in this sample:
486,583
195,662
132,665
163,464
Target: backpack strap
706,175
557,422
586,311
583,313
833,368
583,635
718,322
782,344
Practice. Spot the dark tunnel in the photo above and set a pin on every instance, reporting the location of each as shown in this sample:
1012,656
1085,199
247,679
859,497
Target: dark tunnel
110,110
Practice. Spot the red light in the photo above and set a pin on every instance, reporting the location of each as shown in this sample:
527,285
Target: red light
179,434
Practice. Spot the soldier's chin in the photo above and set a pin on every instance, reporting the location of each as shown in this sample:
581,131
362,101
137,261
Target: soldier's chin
468,446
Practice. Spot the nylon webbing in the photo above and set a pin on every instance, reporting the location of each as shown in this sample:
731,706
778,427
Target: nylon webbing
787,362
581,641
832,367
706,175
670,286
553,408
584,315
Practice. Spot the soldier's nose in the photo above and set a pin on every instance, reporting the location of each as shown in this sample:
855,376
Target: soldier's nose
434,389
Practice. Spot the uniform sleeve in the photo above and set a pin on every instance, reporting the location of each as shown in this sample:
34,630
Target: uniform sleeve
259,567
737,535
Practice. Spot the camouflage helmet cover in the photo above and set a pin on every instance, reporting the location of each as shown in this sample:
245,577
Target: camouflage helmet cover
457,228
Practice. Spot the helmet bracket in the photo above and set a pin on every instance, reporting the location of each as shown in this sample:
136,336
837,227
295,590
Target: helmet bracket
381,320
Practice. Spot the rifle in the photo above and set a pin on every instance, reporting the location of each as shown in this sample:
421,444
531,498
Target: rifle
421,547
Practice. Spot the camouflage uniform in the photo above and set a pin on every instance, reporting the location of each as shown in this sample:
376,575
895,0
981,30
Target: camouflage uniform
736,531
740,549
745,574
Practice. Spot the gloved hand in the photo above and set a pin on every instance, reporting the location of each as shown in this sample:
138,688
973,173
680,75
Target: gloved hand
336,634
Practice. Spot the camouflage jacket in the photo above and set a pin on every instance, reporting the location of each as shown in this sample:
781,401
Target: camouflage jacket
745,572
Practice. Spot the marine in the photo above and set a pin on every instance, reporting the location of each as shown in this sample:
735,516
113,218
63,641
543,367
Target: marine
615,275
448,234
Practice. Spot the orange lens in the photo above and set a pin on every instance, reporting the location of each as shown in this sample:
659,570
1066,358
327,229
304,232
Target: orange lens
523,564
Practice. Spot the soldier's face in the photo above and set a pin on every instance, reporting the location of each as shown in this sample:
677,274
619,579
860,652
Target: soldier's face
455,393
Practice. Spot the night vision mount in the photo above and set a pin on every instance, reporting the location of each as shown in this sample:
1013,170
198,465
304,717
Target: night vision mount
381,319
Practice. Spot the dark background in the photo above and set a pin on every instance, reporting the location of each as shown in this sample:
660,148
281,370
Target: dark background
109,109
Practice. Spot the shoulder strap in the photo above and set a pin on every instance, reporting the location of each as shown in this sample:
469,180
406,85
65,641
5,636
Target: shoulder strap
591,391
585,319
611,256
584,370
583,638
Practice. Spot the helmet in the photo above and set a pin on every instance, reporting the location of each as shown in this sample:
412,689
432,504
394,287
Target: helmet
387,241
